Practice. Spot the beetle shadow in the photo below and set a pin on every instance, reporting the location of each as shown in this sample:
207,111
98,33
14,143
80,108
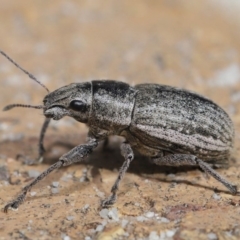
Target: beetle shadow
109,157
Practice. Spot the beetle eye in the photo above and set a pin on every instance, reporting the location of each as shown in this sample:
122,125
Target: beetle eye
78,105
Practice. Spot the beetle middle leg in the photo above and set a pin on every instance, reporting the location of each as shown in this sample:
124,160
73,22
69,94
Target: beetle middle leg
75,155
187,159
128,155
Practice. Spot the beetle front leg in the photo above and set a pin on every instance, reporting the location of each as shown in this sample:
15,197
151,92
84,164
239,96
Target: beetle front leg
128,155
41,149
75,155
187,159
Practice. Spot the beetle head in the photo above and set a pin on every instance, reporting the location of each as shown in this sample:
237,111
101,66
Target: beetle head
73,100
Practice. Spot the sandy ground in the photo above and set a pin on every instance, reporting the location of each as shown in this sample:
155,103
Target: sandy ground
194,45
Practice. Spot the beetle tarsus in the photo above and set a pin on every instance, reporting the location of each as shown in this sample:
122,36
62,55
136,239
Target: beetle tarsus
187,159
15,203
108,202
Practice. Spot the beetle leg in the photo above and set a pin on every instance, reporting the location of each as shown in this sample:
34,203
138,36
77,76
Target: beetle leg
41,149
187,159
128,155
75,155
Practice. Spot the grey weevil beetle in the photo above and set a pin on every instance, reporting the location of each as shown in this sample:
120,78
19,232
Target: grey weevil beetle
171,126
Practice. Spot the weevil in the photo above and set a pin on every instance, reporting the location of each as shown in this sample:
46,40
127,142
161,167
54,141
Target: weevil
170,126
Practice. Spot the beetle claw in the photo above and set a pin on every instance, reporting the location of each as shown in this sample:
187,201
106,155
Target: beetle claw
11,205
109,201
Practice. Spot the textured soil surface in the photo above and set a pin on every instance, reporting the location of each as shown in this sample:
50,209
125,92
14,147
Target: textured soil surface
188,44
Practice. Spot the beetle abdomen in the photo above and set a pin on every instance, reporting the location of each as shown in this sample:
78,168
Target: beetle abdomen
180,121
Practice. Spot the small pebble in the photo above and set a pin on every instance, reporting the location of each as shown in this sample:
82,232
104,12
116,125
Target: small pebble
33,193
141,218
170,233
70,218
104,213
149,214
113,214
55,184
109,214
212,236
153,236
66,238
216,196
55,190
99,228
124,223
85,208
164,220
84,178
33,173
99,193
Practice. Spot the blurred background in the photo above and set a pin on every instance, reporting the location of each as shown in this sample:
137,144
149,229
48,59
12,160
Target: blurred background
188,44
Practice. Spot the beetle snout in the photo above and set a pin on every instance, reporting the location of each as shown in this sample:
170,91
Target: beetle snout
55,112
48,113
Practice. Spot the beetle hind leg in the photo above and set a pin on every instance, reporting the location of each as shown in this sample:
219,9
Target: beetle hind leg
187,159
128,155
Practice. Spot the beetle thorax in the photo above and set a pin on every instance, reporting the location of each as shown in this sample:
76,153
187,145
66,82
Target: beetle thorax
112,105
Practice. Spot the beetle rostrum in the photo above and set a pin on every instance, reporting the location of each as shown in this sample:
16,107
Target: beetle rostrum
171,126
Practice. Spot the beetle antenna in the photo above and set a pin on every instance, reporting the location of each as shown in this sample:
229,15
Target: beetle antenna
25,71
10,106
